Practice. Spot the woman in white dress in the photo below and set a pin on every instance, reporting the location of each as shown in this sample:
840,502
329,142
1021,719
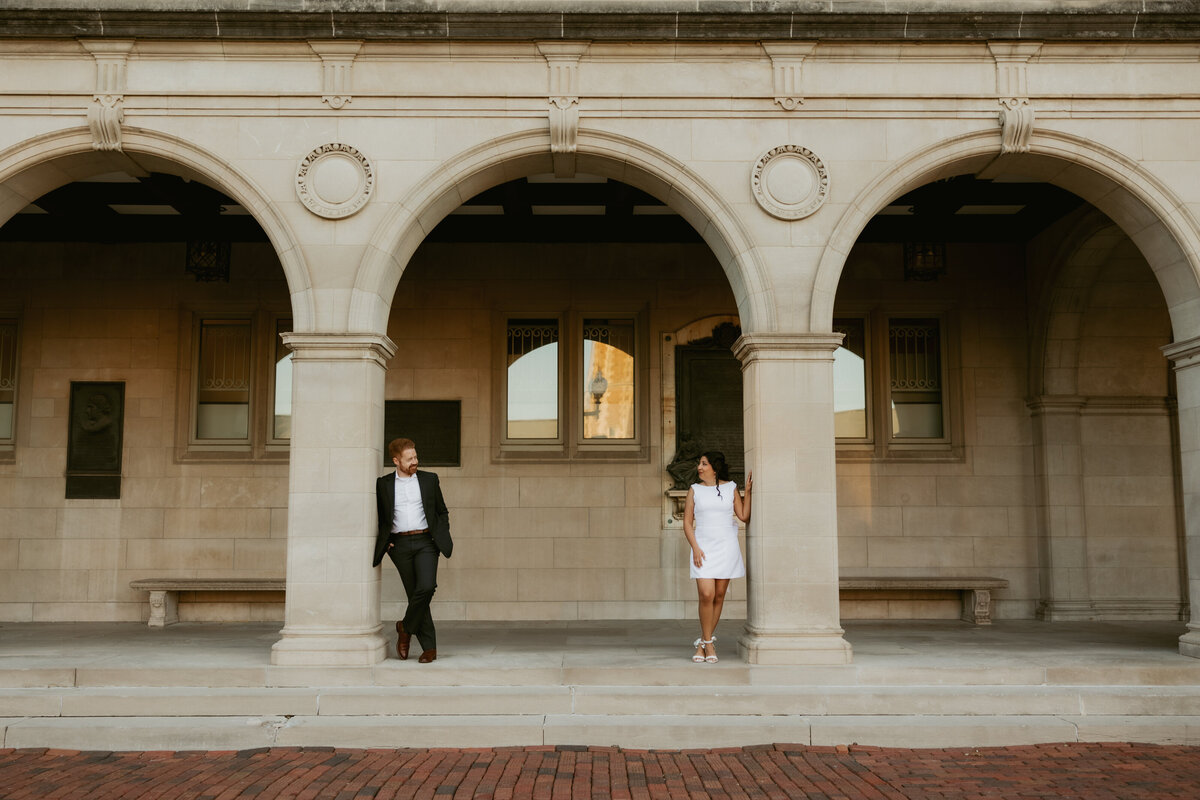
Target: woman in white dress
713,535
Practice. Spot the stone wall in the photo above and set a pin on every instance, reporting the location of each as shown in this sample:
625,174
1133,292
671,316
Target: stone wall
108,312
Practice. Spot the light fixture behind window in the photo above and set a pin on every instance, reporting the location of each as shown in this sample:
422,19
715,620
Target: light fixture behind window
924,261
208,260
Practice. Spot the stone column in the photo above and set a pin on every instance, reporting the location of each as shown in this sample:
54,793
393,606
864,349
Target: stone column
332,611
1058,464
791,545
1186,357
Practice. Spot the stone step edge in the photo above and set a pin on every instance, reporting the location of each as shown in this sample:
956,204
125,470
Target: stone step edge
667,732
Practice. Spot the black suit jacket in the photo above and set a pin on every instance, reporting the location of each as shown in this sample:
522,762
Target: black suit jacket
436,513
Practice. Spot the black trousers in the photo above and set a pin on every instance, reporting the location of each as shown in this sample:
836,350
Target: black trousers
416,559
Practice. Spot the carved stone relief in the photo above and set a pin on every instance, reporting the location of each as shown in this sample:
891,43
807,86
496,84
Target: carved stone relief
787,63
335,181
1012,86
106,112
563,60
789,182
337,63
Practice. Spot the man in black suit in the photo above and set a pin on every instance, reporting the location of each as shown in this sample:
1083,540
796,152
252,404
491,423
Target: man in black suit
414,527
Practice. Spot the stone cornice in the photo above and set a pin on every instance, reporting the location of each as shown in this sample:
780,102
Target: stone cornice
411,20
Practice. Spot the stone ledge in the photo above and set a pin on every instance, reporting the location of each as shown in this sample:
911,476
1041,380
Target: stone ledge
1105,23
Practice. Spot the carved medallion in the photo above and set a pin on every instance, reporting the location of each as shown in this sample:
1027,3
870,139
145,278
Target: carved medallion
789,182
335,181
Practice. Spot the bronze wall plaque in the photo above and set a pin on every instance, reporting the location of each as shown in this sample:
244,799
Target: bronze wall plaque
95,434
435,426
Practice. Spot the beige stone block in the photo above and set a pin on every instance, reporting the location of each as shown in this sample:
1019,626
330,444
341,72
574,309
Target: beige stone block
481,585
644,492
997,382
1138,431
852,552
887,491
1141,582
1005,551
545,523
572,492
477,552
1132,522
265,555
1129,491
955,521
862,521
984,491
557,585
1139,550
37,492
1003,460
88,612
921,552
206,523
243,492
69,555
160,492
655,585
27,523
180,556
17,586
57,585
1101,460
461,492
607,553
624,521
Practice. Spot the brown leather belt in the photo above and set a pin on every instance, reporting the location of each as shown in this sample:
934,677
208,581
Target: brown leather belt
410,533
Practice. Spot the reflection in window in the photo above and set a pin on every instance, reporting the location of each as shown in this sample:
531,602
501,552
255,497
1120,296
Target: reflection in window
915,367
223,397
850,380
608,373
8,376
532,411
283,383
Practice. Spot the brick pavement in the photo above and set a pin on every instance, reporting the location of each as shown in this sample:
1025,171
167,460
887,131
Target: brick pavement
1087,771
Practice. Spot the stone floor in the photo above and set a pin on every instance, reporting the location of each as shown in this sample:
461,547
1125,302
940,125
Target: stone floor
124,686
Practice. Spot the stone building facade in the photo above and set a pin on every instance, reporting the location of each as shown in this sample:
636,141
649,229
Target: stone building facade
958,242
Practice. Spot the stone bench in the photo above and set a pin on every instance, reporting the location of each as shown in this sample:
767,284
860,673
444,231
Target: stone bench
976,592
164,592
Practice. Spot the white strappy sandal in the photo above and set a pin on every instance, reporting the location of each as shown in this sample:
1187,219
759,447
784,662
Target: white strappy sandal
713,658
699,659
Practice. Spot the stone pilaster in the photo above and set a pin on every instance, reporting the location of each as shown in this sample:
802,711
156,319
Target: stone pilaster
333,592
1185,356
1058,464
791,543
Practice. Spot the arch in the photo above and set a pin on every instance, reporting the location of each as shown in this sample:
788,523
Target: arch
1072,270
1137,201
528,152
35,166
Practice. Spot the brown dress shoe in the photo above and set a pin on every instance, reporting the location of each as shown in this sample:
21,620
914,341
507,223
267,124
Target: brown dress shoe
427,656
403,642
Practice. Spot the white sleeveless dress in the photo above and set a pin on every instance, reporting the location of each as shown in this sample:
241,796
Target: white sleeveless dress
716,532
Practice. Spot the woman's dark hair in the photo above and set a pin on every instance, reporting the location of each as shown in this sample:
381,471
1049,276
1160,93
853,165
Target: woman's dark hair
716,460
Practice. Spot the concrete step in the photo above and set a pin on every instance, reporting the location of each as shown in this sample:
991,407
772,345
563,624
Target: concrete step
614,701
453,672
630,731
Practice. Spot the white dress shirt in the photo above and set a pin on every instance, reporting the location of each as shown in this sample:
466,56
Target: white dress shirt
410,513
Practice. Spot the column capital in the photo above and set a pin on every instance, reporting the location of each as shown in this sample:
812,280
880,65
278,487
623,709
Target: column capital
1183,354
751,347
340,347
